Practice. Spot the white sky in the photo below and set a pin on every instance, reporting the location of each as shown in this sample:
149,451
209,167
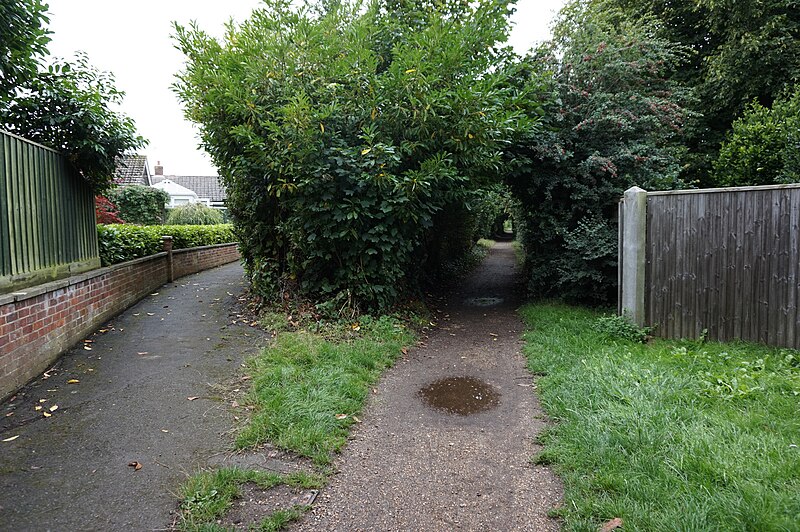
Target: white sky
132,40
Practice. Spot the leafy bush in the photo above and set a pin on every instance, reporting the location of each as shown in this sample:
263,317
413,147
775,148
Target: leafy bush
194,214
620,327
106,212
139,204
617,121
763,147
120,243
342,131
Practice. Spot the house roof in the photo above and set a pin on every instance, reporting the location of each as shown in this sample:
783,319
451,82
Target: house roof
204,186
174,189
132,170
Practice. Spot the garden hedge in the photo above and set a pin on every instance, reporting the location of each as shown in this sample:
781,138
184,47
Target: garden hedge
120,243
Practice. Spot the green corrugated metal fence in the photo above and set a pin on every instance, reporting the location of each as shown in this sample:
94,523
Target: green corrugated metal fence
47,220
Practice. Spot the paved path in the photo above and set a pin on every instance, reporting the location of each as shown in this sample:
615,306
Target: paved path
412,467
70,471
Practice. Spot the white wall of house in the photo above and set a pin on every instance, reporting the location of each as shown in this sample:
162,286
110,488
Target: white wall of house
178,195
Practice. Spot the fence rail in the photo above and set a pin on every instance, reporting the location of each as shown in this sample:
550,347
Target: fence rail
725,262
47,220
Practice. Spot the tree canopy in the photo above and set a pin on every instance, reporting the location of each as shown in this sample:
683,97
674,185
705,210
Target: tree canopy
23,42
66,106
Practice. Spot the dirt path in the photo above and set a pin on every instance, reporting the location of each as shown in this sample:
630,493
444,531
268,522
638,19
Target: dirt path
70,471
413,467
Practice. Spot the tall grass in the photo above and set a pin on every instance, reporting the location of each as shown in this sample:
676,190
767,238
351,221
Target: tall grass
669,435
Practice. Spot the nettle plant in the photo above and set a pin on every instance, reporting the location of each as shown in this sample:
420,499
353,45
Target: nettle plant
341,128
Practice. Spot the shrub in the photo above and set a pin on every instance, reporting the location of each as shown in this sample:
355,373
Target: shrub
620,327
194,214
106,212
139,204
763,145
344,132
120,243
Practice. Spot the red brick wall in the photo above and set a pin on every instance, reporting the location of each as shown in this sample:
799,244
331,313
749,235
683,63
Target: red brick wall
41,322
193,260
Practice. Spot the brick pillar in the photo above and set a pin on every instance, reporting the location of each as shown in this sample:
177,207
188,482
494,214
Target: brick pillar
166,242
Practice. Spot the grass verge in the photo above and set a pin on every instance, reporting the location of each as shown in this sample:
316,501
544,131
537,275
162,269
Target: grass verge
308,389
669,435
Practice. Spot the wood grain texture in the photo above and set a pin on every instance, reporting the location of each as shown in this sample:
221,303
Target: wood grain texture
727,262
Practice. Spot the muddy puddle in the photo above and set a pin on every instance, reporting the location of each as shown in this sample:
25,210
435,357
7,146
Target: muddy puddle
460,395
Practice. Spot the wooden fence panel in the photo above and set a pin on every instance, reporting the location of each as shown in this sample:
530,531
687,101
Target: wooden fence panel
47,220
725,261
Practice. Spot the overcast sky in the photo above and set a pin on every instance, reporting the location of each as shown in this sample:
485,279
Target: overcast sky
132,40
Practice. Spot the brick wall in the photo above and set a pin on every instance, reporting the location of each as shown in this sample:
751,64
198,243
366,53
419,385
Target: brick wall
40,323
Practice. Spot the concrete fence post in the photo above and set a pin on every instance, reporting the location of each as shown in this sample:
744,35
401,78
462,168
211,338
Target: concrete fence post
633,238
166,242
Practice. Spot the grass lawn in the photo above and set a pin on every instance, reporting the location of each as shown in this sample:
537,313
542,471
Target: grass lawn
669,435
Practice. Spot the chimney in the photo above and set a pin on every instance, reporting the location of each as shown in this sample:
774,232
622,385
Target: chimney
158,169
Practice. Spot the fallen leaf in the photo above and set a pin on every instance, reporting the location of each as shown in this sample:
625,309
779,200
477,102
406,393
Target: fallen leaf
411,70
192,398
142,353
87,348
404,350
375,391
10,414
12,438
88,341
37,408
54,408
135,465
164,430
614,524
151,314
234,405
492,334
42,400
73,381
46,414
341,416
154,294
356,419
524,385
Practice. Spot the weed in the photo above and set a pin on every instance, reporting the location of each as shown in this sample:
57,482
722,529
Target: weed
208,495
621,327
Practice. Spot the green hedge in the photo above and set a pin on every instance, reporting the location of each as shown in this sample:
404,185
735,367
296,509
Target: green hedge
119,243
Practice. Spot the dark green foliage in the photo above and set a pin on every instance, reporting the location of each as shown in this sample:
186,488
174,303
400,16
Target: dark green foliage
615,121
139,204
342,131
763,147
120,243
23,41
194,214
741,51
68,108
490,208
